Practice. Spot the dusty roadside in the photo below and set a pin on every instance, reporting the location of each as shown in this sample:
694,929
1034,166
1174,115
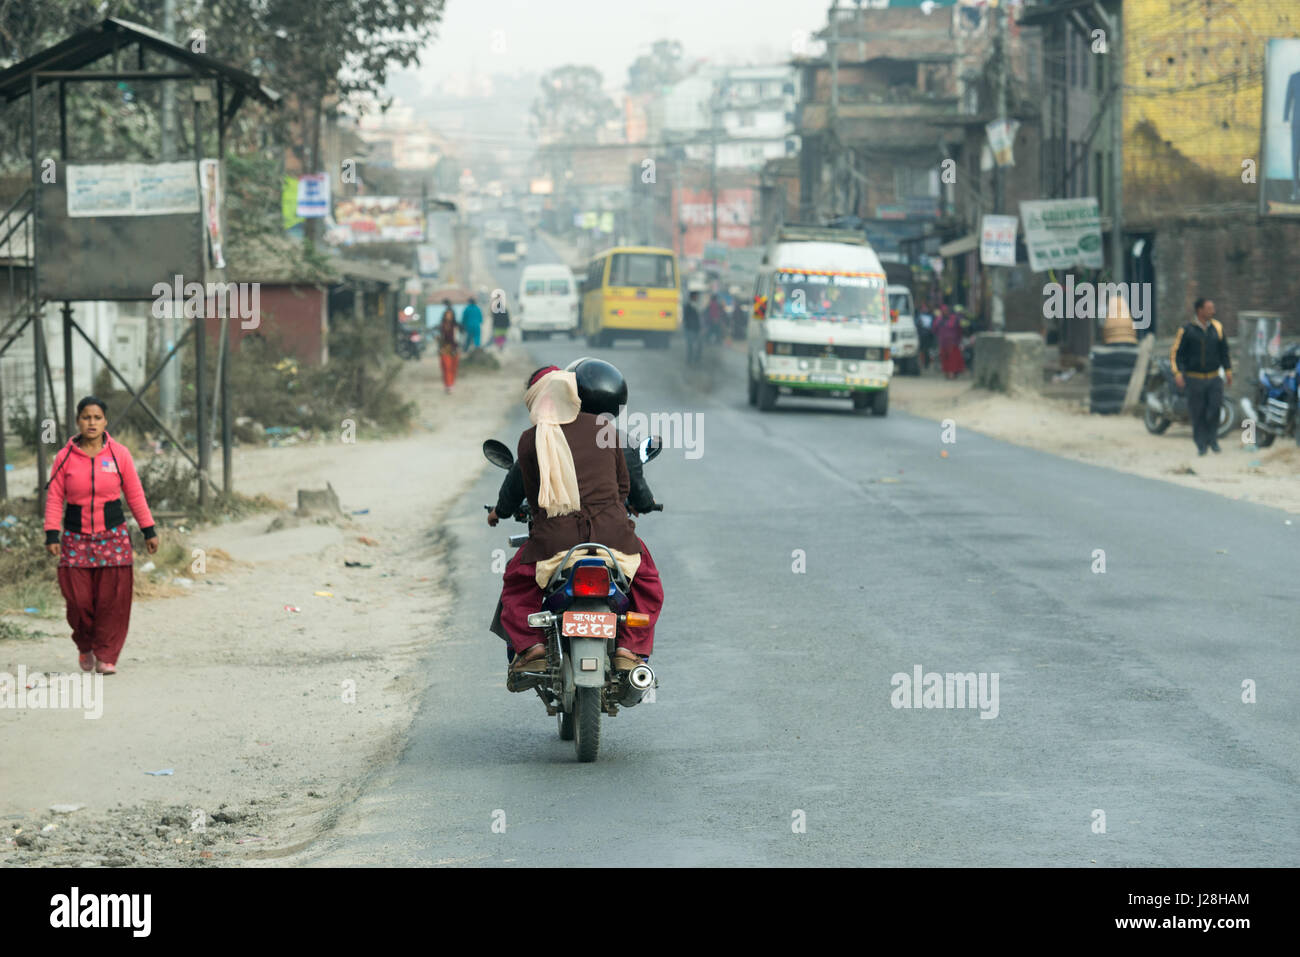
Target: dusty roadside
1065,428
268,717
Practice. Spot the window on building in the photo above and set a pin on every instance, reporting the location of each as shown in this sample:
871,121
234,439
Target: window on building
915,181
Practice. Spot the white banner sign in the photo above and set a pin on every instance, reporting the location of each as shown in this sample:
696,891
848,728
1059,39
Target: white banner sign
313,195
1002,139
132,189
1060,233
998,240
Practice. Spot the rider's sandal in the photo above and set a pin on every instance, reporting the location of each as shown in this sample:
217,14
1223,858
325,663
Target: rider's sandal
533,655
624,660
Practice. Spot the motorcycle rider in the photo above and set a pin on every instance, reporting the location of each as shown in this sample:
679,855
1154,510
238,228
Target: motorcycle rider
598,387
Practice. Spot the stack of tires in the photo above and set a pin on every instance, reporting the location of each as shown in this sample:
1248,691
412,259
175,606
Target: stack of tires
1111,368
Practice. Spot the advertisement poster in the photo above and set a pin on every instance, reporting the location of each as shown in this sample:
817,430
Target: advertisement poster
289,217
377,219
694,208
1279,186
313,196
132,189
998,240
210,182
1060,233
1002,138
427,259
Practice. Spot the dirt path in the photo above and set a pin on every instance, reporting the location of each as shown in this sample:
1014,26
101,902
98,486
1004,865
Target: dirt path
269,719
1262,476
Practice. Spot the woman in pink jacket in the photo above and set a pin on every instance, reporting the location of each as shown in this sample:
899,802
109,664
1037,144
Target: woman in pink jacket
87,480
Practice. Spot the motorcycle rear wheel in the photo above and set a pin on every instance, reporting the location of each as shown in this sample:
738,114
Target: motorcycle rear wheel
1227,418
586,719
1156,423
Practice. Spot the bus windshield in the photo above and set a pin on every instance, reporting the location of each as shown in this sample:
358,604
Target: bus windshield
801,295
644,270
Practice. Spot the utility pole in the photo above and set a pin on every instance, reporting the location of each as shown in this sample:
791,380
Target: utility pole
999,276
715,111
1117,256
832,125
170,381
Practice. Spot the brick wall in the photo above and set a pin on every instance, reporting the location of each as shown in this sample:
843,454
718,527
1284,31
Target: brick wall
1239,262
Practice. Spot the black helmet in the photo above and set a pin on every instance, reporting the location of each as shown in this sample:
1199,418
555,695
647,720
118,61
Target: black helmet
601,387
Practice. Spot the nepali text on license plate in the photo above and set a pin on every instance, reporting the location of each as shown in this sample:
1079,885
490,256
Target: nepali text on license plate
827,379
589,624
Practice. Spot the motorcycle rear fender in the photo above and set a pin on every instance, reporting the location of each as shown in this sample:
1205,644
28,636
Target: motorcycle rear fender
587,650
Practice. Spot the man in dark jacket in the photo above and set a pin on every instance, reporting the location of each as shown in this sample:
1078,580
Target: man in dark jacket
691,326
1200,350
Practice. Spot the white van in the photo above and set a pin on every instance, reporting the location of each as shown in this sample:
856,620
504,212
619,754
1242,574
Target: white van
820,324
548,301
906,340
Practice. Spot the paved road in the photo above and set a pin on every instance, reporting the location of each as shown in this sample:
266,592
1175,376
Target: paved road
1118,692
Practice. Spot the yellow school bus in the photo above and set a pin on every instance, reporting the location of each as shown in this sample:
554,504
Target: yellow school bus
632,292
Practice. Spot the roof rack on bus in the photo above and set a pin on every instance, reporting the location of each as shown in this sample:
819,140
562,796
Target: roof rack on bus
800,233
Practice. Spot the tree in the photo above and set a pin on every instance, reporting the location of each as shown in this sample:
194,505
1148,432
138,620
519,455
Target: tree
572,106
661,67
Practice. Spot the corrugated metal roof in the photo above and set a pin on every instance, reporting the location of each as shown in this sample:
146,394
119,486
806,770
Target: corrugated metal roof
96,42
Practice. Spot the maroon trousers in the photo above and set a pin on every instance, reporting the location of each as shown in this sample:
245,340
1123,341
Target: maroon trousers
520,597
99,608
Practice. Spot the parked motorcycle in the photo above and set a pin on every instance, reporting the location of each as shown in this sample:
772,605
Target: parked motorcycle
1164,403
1274,408
582,607
410,344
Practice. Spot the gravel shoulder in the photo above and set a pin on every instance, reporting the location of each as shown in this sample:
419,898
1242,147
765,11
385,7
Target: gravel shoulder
269,719
1064,427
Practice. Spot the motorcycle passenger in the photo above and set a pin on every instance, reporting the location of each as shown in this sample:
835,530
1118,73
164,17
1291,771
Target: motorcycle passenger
1199,351
576,482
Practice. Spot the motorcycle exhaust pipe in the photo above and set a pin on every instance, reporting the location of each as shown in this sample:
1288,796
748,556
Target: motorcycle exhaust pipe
1249,409
633,687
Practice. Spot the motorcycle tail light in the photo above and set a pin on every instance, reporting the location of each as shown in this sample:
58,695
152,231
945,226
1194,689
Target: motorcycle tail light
590,581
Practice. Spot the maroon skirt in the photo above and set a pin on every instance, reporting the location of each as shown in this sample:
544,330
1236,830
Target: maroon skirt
521,596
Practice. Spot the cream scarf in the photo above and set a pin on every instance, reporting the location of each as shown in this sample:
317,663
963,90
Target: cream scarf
553,401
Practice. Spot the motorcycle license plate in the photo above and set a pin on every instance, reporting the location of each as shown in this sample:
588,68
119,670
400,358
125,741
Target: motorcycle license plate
589,624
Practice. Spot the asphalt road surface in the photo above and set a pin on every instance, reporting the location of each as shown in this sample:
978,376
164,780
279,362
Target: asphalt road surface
808,556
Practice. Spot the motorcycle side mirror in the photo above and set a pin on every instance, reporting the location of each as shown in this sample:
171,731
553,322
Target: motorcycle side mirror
651,446
497,453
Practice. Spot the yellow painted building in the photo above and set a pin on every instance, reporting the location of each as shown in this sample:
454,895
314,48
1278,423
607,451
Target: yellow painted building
1193,87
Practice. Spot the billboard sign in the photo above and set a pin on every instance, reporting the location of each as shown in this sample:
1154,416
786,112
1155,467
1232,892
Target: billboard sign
1279,188
377,219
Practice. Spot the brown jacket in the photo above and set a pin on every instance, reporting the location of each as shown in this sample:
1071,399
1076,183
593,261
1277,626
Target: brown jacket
602,487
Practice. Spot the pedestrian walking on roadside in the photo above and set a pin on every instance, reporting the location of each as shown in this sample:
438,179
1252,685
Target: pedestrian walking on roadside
449,331
86,528
1200,350
691,326
500,323
472,320
947,331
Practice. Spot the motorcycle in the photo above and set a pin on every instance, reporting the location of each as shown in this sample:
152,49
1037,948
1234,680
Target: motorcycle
410,344
582,605
1164,403
1275,396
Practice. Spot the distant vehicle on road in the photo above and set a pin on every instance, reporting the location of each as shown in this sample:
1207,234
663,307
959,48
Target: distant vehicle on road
507,253
548,301
820,325
905,341
632,292
521,247
495,229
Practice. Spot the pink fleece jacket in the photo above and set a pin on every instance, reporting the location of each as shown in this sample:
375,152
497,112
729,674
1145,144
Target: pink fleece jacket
91,490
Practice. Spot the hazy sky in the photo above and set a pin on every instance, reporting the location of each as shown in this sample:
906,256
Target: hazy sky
507,36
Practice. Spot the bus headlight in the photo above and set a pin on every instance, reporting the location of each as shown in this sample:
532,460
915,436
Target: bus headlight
804,365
